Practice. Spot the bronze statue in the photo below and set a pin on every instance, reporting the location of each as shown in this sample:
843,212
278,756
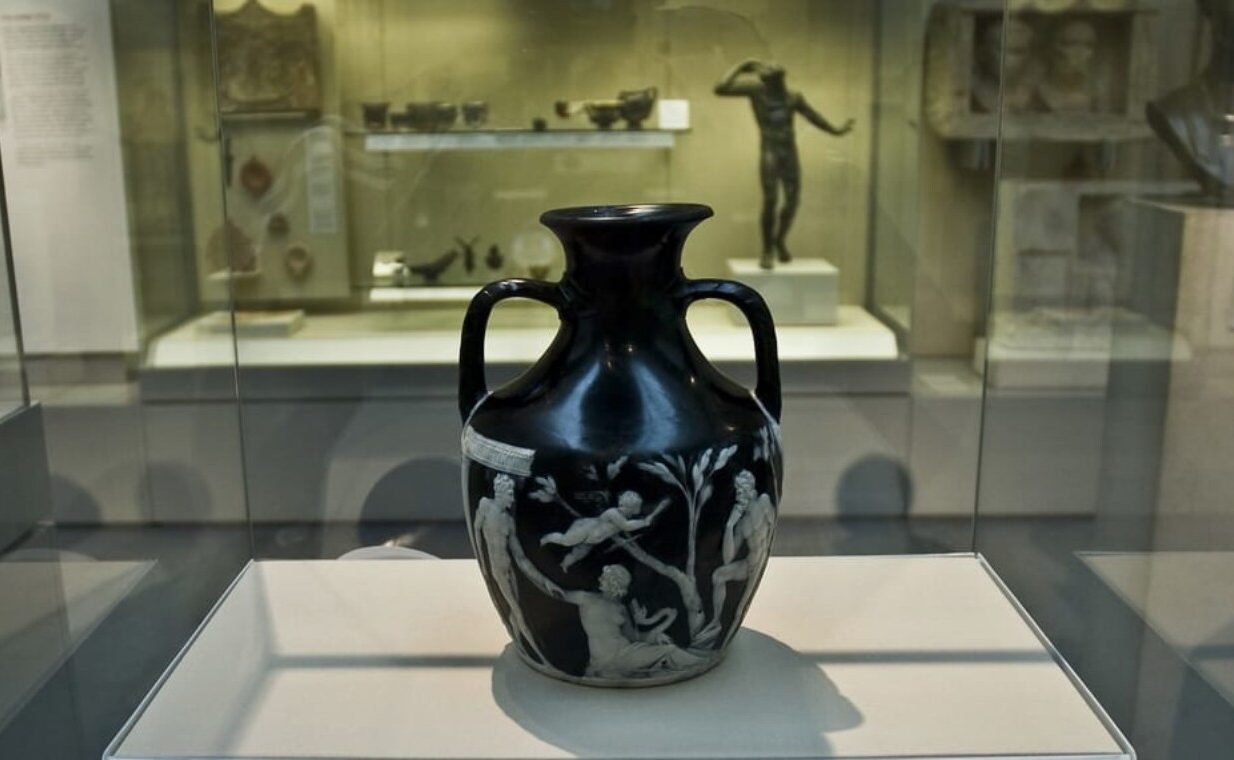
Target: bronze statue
1197,120
779,166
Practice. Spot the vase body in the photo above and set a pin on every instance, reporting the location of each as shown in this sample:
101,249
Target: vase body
621,494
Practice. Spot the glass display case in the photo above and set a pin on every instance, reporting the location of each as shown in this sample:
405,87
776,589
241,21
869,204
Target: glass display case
241,237
383,175
17,421
12,384
316,227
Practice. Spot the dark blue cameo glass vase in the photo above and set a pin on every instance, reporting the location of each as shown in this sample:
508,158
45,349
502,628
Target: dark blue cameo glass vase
621,494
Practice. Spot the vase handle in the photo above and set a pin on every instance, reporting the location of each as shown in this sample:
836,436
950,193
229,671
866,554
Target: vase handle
471,386
752,305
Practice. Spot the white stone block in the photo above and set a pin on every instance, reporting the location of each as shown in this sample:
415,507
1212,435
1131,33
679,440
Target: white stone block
801,292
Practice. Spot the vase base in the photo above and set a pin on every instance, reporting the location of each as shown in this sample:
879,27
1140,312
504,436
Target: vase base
660,679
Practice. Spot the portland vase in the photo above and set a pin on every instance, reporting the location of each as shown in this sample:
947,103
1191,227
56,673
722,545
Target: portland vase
621,494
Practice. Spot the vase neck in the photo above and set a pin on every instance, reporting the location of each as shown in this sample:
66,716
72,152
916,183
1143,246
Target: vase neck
622,262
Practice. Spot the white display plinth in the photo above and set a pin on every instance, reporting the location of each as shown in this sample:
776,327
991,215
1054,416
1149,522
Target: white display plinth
853,657
430,294
253,324
1194,475
801,292
519,139
1201,236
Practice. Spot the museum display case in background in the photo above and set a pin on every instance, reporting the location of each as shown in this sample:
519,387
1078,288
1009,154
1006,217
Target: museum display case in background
320,196
243,236
1105,488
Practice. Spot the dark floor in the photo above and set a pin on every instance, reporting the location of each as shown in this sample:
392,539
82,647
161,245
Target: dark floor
85,701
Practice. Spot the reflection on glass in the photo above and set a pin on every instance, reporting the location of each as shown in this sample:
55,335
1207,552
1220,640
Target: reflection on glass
12,383
253,351
121,511
355,233
1105,484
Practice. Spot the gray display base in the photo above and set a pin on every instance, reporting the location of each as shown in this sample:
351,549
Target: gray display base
25,487
903,656
1182,596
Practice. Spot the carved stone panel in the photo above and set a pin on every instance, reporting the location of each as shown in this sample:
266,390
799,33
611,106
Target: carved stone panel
1064,244
1065,70
268,62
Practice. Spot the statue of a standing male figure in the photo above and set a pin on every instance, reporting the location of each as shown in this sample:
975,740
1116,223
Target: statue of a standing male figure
779,166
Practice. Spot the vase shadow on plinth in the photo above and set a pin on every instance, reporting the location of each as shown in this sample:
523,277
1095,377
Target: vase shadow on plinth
764,700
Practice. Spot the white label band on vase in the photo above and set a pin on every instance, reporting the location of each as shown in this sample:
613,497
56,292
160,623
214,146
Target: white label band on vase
497,455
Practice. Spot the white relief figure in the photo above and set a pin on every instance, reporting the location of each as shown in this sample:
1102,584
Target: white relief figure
656,624
766,445
616,646
585,533
1070,84
752,524
765,449
495,525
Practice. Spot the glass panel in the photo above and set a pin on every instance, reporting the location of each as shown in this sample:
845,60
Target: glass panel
897,145
121,497
346,194
17,515
296,201
1105,478
12,382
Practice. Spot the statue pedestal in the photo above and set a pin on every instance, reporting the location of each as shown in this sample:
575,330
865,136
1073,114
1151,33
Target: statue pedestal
1201,237
1194,475
801,292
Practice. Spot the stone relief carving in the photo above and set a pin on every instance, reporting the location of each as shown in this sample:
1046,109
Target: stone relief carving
1071,84
268,62
1080,72
1004,59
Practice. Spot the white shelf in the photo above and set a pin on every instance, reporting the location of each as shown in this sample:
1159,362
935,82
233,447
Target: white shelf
227,275
853,657
431,337
444,294
517,139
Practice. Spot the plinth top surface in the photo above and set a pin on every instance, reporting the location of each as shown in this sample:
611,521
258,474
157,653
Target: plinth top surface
841,657
746,267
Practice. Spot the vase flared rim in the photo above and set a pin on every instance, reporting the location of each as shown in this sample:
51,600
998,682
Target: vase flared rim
640,213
